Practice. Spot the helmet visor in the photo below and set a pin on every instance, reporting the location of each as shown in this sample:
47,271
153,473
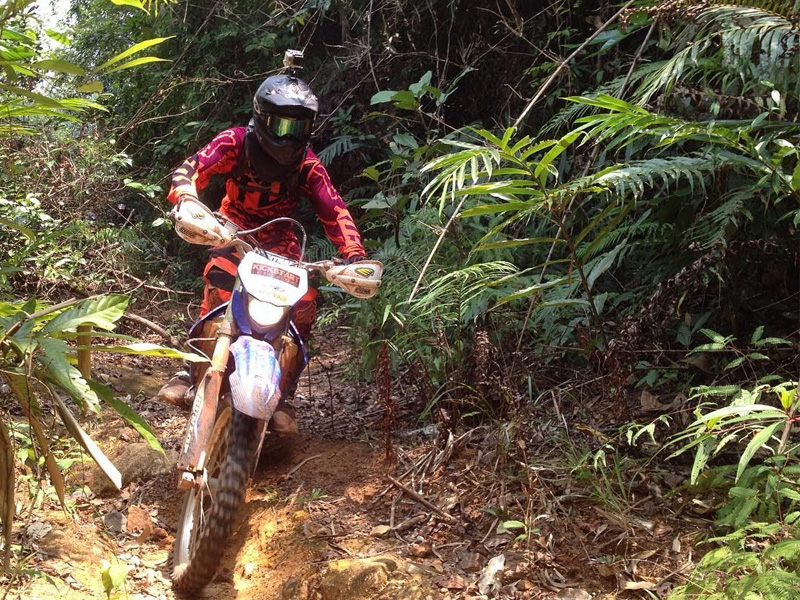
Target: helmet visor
287,127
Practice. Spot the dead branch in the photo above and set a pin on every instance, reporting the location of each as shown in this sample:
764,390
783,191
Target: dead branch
427,503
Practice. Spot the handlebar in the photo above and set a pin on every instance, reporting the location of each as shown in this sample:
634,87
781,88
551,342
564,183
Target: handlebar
196,224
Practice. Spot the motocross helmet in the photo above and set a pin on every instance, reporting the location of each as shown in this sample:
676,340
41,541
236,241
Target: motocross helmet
284,109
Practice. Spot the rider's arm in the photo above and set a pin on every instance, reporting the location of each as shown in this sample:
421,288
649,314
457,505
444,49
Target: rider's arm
331,209
219,156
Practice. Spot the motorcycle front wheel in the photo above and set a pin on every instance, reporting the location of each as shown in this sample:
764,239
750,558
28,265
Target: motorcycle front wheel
209,511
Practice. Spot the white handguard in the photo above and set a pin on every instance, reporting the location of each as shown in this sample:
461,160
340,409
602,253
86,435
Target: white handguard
361,279
196,224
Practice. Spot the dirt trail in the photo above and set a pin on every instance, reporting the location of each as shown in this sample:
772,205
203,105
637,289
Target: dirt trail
322,520
311,501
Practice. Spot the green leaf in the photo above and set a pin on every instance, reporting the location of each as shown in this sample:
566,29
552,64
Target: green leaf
133,3
383,96
507,525
790,493
734,363
62,66
405,100
130,51
58,36
135,63
133,418
28,233
491,209
758,441
761,411
416,88
604,264
147,349
102,312
113,576
372,173
93,87
59,370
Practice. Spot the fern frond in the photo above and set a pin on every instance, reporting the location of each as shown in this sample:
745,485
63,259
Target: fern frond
754,44
453,294
657,174
342,145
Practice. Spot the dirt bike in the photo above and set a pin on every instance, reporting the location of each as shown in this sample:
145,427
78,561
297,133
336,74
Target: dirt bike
240,389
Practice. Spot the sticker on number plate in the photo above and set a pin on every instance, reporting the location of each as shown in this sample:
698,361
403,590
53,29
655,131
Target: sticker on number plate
271,281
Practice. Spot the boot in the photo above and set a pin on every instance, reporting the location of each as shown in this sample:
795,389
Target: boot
284,419
176,390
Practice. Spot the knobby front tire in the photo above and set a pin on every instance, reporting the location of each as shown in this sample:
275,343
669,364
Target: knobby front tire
207,517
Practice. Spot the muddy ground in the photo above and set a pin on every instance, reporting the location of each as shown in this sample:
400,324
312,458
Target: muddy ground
476,513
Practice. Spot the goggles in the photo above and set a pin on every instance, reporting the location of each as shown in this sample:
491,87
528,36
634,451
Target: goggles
287,127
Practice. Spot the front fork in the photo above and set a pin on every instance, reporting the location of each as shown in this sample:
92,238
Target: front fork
191,462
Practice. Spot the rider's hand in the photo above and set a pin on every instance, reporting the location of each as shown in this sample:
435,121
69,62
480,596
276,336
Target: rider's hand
184,192
354,259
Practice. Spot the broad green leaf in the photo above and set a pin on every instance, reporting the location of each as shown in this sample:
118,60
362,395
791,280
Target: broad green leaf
701,457
135,63
519,242
795,182
102,312
763,411
113,576
133,418
62,66
382,97
133,3
416,88
28,233
542,168
372,173
39,98
146,349
79,104
491,209
734,363
604,264
93,87
85,440
58,36
787,397
59,371
130,51
758,441
535,289
406,100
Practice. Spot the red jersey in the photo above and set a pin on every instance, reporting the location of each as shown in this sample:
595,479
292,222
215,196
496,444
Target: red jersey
249,202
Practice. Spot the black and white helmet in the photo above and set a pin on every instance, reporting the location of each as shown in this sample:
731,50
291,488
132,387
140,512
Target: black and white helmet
284,109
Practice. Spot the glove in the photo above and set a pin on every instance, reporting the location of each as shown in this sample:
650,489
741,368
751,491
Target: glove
354,259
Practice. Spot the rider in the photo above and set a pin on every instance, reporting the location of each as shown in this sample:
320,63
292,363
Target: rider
267,165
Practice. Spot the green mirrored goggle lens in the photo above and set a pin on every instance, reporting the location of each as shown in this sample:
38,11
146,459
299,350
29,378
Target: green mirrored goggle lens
288,127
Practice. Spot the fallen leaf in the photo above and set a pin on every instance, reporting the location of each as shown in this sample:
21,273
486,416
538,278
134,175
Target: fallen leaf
380,530
451,582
